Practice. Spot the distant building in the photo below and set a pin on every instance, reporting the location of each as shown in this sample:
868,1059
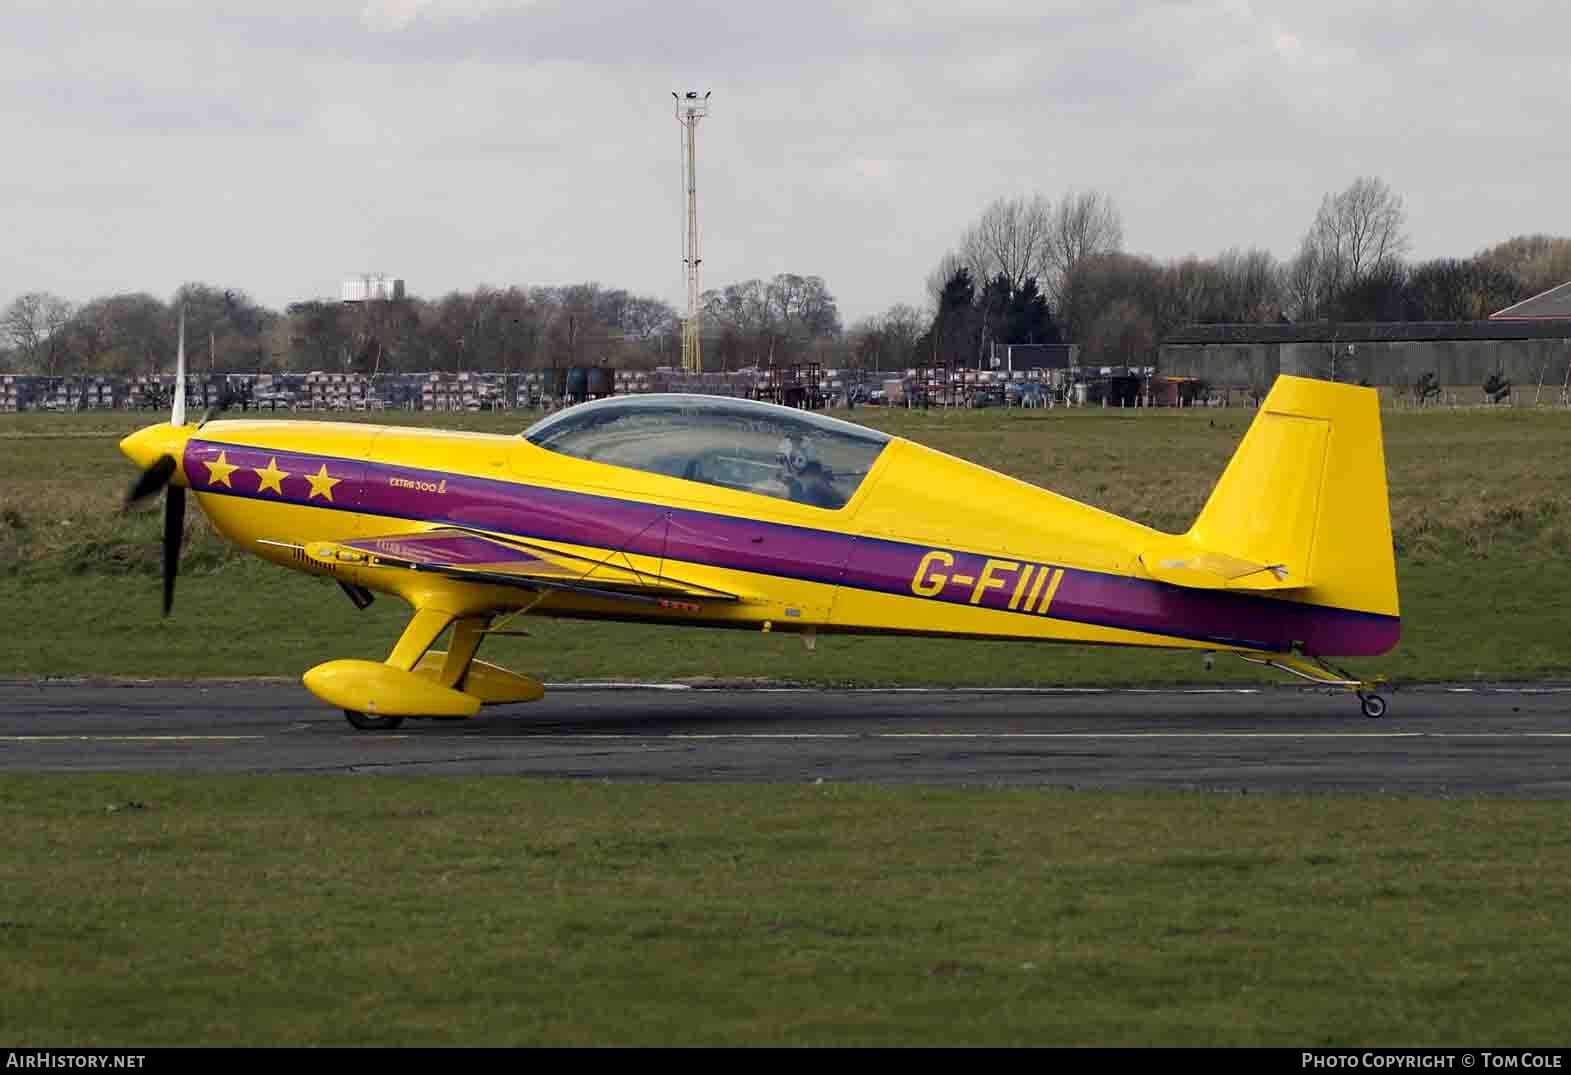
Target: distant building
1460,355
1551,305
372,288
1034,356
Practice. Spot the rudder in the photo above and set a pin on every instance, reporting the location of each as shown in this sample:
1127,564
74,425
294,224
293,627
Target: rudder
1305,495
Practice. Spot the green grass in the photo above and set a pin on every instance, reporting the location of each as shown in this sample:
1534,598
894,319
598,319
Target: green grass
1479,504
166,910
163,910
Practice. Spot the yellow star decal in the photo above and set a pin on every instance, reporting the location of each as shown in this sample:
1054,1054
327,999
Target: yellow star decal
321,484
218,470
272,477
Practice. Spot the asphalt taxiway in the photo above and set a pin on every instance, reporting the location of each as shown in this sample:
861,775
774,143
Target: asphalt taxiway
1435,741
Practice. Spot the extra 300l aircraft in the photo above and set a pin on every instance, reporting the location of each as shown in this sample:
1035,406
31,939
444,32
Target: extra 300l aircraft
721,512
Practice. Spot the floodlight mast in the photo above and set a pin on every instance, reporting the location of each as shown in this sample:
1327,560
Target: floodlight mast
690,108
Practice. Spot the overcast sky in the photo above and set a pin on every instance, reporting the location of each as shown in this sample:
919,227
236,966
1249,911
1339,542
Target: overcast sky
280,147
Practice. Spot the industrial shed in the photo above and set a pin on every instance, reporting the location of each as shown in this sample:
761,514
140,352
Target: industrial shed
1533,354
1554,304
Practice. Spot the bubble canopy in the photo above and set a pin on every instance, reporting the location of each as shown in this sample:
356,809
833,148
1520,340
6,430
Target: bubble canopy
717,440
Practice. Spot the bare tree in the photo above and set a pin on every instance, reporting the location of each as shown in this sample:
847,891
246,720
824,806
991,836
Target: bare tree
34,324
1303,286
1099,282
1252,285
1356,235
1011,239
1085,224
1122,334
887,341
803,305
1539,261
904,325
141,331
788,318
942,273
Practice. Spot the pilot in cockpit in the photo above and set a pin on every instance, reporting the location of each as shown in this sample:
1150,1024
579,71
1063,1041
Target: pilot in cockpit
804,477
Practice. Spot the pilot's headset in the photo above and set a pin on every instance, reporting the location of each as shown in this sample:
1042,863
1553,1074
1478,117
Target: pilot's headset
794,454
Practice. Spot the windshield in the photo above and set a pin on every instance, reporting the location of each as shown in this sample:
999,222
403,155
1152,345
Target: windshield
734,443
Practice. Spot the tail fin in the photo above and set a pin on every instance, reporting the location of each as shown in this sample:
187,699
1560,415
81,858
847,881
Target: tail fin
1301,508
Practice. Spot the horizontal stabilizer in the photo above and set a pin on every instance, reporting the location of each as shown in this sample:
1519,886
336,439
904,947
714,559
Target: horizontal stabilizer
1182,564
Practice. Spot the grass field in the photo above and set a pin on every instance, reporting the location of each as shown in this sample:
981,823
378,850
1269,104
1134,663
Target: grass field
165,910
158,911
1479,505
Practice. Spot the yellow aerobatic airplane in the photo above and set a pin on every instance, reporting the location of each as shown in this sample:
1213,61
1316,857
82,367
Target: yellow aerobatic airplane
722,512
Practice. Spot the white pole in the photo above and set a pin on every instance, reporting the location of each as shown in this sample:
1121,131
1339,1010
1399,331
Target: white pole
177,415
689,111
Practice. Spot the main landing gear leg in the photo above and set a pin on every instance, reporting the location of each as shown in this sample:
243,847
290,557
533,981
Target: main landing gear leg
423,629
1374,705
468,633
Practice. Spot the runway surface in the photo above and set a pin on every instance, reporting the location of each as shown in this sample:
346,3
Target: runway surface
1434,741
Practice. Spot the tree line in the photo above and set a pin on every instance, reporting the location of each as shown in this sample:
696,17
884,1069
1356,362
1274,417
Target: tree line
1350,266
1029,269
789,318
484,329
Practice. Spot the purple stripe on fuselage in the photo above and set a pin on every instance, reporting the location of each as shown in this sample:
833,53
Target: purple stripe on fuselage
506,507
797,552
1117,601
751,545
1220,617
244,475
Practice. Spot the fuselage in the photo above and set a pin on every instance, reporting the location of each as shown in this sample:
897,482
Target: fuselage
927,544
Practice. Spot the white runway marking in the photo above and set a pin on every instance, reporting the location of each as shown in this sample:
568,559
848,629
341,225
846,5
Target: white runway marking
1508,690
125,738
618,686
629,686
653,736
823,736
974,690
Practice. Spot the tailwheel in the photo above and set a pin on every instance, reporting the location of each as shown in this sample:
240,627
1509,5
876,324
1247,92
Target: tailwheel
365,723
1325,675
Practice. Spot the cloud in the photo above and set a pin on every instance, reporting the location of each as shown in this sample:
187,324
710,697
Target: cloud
395,15
532,141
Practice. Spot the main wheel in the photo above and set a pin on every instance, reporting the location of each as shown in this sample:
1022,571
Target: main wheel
364,723
1374,706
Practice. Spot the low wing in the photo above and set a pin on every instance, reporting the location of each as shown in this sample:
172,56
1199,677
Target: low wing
485,558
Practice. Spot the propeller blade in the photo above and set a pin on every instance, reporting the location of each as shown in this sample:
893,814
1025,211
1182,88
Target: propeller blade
151,480
174,531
